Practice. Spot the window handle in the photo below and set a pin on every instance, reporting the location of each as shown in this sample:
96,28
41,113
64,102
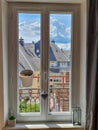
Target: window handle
44,94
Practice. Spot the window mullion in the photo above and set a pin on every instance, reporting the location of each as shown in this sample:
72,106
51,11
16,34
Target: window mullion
45,57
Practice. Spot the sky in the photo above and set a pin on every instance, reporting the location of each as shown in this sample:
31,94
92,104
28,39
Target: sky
60,28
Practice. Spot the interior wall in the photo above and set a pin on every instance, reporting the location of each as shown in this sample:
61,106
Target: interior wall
3,64
5,58
83,60
1,73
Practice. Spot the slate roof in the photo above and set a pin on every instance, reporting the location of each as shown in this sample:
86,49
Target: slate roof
59,54
29,55
56,54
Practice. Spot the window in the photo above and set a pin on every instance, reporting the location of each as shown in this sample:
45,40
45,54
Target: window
41,38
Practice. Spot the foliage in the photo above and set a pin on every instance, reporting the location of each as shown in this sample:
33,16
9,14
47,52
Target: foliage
24,107
12,118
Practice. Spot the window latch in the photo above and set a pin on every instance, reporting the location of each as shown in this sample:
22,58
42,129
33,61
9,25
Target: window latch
44,95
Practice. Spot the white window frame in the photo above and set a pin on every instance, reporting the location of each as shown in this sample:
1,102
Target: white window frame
13,9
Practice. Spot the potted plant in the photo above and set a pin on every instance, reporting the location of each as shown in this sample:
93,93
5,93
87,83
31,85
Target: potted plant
12,121
26,77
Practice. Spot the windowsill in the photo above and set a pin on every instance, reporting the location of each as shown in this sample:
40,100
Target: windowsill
52,125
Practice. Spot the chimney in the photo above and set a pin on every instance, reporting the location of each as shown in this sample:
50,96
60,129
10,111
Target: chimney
21,41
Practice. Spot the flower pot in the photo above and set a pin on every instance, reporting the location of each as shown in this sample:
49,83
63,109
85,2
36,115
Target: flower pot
26,77
12,123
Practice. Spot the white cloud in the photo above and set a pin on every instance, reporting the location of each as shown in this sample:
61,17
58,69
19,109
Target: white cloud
29,31
35,24
22,23
62,24
64,46
53,30
61,35
68,30
52,19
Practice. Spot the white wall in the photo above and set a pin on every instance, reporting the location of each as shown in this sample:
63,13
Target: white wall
83,60
1,73
5,58
3,64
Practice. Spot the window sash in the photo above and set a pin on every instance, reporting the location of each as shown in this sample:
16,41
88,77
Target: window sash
13,9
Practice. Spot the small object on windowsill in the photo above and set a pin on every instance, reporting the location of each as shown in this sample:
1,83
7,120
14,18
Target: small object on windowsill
12,121
76,116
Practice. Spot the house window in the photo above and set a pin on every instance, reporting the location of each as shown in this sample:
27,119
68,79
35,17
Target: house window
43,34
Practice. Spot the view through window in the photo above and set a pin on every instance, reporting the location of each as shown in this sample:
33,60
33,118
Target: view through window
29,65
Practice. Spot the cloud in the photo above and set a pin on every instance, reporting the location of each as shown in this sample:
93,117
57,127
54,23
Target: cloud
53,30
64,46
35,24
52,19
31,30
62,24
62,35
68,30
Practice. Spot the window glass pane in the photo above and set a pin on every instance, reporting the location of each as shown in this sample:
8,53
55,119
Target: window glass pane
60,62
29,26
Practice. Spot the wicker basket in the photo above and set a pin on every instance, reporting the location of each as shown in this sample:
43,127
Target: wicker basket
26,77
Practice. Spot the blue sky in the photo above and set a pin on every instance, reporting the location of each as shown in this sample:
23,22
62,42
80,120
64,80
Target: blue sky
28,17
60,27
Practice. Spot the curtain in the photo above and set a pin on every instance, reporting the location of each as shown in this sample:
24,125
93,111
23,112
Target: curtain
92,67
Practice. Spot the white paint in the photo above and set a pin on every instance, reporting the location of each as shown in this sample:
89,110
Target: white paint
5,59
83,60
3,65
1,72
48,1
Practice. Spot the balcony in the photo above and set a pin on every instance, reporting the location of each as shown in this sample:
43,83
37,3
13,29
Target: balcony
29,97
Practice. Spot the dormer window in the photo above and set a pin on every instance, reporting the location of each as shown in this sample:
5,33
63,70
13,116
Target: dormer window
37,51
